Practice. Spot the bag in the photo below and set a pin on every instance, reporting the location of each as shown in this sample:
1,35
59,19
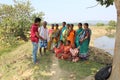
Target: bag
104,73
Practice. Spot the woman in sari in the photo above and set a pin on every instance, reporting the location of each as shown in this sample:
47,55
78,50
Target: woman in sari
56,36
50,35
62,31
84,40
77,34
75,53
66,54
59,50
66,32
71,34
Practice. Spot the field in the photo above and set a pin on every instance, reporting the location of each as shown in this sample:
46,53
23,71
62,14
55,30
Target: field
16,64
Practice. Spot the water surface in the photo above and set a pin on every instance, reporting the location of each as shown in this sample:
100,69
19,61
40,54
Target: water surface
105,43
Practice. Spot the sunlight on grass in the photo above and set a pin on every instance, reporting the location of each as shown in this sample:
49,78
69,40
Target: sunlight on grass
42,70
81,69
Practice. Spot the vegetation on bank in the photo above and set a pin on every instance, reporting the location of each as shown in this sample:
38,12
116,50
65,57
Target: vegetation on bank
18,65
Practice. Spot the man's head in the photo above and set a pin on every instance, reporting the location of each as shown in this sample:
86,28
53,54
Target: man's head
37,21
44,24
63,24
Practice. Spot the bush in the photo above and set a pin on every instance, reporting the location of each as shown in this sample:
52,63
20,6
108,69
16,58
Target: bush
15,21
109,29
112,23
100,24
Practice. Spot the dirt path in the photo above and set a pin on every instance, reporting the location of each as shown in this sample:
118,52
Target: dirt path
55,69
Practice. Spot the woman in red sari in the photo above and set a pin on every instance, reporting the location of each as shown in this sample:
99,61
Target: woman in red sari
66,54
59,50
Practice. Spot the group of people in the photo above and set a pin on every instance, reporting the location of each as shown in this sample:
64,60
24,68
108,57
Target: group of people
70,44
65,42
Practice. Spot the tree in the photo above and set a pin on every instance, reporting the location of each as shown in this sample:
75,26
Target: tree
15,20
116,59
112,23
100,24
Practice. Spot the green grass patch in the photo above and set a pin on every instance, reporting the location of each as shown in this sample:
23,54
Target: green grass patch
42,70
80,69
8,49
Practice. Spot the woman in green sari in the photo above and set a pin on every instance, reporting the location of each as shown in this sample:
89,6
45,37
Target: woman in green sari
66,32
77,34
62,31
84,41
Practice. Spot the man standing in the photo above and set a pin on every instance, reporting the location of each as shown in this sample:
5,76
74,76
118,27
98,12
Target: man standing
43,32
34,36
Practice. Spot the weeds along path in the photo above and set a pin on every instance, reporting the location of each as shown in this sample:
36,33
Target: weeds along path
15,65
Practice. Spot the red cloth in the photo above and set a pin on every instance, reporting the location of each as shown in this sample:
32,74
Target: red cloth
33,30
51,31
66,54
59,50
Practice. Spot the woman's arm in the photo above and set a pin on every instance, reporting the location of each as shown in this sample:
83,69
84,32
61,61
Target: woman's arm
87,35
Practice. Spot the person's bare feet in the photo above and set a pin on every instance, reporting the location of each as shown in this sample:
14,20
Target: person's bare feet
36,62
41,54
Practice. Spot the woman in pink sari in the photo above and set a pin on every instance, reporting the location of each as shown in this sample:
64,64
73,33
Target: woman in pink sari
50,35
75,53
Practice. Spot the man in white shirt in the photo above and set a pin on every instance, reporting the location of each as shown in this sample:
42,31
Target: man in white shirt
43,32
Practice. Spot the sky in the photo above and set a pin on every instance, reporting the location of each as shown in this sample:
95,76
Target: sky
71,10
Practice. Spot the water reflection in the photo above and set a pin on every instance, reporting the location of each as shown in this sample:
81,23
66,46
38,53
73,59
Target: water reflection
105,43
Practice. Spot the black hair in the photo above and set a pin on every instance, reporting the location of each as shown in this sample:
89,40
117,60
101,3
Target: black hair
64,22
69,42
86,24
68,24
37,20
80,24
57,25
61,41
52,24
72,25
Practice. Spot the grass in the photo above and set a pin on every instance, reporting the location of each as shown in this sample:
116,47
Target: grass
111,35
15,66
8,49
42,70
18,65
81,69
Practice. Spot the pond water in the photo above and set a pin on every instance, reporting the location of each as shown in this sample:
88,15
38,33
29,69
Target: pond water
105,43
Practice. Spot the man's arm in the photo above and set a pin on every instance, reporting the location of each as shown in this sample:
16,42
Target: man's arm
37,34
